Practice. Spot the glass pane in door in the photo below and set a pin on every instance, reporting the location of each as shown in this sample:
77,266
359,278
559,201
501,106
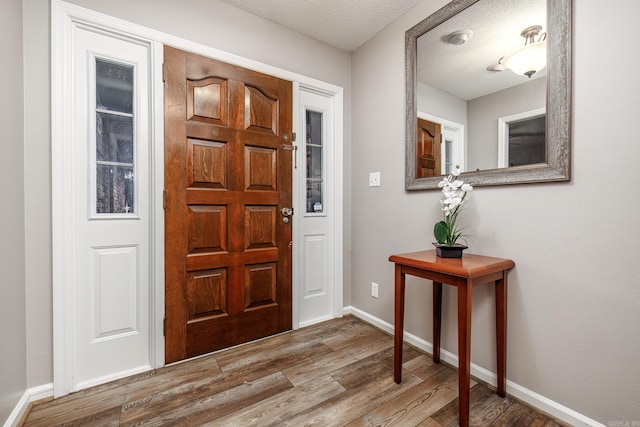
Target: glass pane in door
114,86
114,142
315,161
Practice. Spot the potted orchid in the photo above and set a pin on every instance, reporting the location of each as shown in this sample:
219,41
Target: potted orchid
446,232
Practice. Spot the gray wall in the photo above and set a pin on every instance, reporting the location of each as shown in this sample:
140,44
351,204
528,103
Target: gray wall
441,104
483,114
208,22
574,322
13,370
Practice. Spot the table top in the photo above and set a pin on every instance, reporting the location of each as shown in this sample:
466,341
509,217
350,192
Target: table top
469,265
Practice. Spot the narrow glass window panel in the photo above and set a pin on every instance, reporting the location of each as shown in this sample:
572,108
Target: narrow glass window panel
527,142
114,86
114,142
114,189
448,154
114,138
315,162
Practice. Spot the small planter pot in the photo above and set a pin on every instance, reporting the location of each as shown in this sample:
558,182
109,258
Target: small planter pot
447,251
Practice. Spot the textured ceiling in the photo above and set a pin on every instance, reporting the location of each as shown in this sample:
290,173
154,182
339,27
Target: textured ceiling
462,70
345,24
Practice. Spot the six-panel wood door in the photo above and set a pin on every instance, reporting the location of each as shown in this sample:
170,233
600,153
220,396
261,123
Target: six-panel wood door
428,151
227,179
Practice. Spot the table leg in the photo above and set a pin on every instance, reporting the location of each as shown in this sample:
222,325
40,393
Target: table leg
464,351
501,333
437,320
398,324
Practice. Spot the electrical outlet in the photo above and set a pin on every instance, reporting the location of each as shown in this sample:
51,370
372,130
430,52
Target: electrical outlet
374,289
374,179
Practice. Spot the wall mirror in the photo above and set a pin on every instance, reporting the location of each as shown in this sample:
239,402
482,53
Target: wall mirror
472,102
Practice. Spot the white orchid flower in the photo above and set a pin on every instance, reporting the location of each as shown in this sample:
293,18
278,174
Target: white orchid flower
453,196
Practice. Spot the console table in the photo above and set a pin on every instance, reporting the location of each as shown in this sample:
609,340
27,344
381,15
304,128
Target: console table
463,273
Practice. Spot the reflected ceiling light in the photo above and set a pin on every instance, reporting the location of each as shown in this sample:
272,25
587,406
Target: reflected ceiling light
460,37
531,58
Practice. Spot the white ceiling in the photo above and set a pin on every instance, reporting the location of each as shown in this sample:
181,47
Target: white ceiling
345,24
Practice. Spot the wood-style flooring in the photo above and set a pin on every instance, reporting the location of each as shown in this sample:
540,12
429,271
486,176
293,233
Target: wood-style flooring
334,373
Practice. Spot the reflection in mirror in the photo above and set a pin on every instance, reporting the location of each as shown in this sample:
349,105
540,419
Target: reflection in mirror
521,139
472,101
461,80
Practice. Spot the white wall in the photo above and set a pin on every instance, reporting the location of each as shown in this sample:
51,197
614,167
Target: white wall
574,317
208,22
12,271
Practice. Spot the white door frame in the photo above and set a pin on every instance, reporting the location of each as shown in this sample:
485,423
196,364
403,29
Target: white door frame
333,163
64,16
66,20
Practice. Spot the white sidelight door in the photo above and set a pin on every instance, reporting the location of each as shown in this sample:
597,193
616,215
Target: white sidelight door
317,210
103,176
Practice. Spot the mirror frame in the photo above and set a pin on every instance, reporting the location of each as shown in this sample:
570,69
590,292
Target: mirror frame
558,123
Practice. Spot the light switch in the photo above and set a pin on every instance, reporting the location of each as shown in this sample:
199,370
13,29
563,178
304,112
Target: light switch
374,179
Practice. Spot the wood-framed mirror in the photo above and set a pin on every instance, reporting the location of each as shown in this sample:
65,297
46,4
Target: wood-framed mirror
436,84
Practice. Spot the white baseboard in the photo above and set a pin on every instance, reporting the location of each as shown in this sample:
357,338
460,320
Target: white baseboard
532,398
112,377
317,320
31,395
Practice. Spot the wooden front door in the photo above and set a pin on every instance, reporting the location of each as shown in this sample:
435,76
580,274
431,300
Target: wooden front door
429,137
227,180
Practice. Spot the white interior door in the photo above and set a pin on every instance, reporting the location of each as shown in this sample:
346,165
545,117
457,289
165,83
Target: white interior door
316,213
109,188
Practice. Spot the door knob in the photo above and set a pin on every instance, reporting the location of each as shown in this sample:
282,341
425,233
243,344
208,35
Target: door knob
286,213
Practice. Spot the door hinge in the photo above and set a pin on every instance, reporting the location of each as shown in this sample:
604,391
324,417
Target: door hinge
164,327
164,199
164,72
293,148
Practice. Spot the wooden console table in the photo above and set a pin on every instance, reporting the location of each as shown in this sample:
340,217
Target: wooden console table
463,273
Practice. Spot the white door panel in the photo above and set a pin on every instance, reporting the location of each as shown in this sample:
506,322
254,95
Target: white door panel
314,266
114,293
110,149
316,213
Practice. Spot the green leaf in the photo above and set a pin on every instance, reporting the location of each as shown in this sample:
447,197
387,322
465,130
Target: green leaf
440,231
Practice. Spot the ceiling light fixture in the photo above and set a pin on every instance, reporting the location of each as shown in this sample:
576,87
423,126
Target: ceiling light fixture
460,37
531,58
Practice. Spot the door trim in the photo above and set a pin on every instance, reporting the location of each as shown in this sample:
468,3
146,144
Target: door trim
64,16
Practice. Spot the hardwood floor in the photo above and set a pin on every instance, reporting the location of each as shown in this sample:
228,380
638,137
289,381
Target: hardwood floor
335,373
